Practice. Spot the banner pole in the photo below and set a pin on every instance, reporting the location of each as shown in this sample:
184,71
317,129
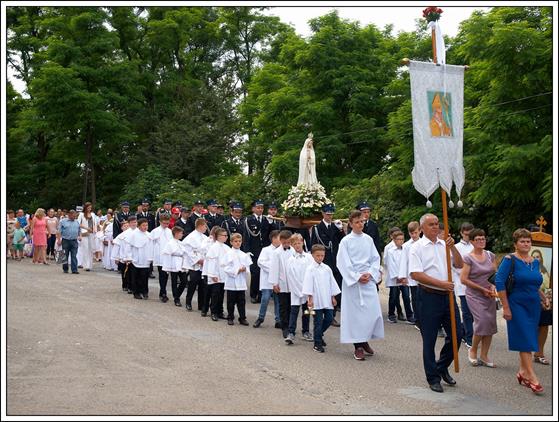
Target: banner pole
448,261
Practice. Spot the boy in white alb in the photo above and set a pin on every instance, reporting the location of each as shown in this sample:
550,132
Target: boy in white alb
121,253
141,252
196,245
278,278
296,267
214,268
321,287
172,257
393,280
403,273
237,268
384,270
266,289
160,236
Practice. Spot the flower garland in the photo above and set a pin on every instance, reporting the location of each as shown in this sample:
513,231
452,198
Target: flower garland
432,13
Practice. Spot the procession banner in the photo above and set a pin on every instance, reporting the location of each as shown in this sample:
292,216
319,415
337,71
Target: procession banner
437,93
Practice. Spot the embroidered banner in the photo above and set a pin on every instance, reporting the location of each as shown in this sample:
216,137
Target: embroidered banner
437,93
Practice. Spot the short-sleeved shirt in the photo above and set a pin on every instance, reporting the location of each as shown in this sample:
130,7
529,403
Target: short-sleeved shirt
69,229
52,225
429,258
22,221
19,235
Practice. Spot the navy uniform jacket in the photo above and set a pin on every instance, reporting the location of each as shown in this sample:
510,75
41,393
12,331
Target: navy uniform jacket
235,227
120,217
185,226
215,220
257,235
371,229
330,238
149,217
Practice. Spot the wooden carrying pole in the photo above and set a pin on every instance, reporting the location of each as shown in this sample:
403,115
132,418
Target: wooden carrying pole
448,262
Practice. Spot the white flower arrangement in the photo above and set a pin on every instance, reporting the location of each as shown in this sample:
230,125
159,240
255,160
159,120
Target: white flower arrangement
305,200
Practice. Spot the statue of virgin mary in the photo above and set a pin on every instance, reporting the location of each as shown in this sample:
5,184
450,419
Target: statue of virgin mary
307,169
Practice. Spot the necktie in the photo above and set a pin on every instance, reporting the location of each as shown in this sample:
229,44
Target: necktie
285,249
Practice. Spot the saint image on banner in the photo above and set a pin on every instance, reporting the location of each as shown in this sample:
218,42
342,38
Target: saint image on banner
440,113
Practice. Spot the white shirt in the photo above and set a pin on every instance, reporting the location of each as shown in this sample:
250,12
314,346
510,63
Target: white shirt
278,268
296,267
234,260
319,282
464,248
265,263
141,248
172,256
429,258
214,264
392,257
404,261
160,238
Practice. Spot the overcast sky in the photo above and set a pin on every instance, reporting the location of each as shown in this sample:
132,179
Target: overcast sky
402,18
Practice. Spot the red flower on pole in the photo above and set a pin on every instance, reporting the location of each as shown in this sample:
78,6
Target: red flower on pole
432,13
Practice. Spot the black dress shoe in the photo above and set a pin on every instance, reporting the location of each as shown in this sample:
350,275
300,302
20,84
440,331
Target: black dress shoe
146,297
178,302
221,316
75,272
243,321
447,378
277,325
137,296
151,276
164,299
204,314
436,387
130,292
230,322
257,323
253,300
188,307
215,317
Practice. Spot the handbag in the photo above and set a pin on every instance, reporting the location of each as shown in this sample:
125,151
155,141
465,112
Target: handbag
492,277
60,256
509,283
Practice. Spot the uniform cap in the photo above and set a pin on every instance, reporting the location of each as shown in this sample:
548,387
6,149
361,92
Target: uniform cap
363,206
328,208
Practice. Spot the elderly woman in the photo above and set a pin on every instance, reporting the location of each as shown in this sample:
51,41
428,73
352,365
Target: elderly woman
522,307
480,295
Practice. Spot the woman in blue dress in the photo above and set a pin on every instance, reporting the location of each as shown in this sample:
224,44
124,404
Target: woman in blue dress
522,307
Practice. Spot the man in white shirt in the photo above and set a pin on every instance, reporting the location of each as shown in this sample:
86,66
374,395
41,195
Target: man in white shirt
427,265
464,247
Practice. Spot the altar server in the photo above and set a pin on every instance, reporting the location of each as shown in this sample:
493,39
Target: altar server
141,251
172,256
321,287
237,268
214,267
266,289
278,278
359,264
160,236
117,256
196,245
396,284
296,267
414,231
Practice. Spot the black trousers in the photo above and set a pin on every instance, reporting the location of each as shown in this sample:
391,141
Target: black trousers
236,297
163,278
285,312
51,240
255,279
434,311
217,293
195,280
124,275
177,287
140,277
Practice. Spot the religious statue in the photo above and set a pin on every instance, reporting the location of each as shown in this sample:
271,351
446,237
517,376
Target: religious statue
307,169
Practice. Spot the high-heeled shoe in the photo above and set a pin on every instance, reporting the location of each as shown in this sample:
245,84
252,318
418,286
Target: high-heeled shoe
488,364
473,362
520,378
536,388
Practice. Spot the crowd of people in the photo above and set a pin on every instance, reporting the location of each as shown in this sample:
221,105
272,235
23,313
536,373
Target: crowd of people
328,269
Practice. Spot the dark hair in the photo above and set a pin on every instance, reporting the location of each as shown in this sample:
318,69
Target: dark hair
10,212
285,234
317,247
475,233
87,204
274,233
393,230
466,227
354,214
177,229
164,217
521,234
397,233
142,221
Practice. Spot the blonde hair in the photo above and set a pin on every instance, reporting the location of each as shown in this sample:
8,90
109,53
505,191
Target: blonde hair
40,212
296,237
236,236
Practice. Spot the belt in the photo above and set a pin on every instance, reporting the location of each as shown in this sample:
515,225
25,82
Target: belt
435,291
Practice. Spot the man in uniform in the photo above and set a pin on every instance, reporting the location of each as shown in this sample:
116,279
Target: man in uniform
221,210
147,214
235,223
121,217
212,217
257,230
167,205
329,233
195,215
274,224
184,222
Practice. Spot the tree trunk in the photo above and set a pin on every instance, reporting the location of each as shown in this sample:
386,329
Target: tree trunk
90,166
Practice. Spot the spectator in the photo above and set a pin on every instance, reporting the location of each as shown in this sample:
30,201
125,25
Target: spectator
521,307
480,294
18,241
88,225
52,226
23,220
38,232
68,237
10,228
546,317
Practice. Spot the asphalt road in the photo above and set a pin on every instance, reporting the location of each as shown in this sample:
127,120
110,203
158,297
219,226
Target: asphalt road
78,345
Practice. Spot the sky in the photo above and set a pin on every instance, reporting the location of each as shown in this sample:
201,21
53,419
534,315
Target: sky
402,18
